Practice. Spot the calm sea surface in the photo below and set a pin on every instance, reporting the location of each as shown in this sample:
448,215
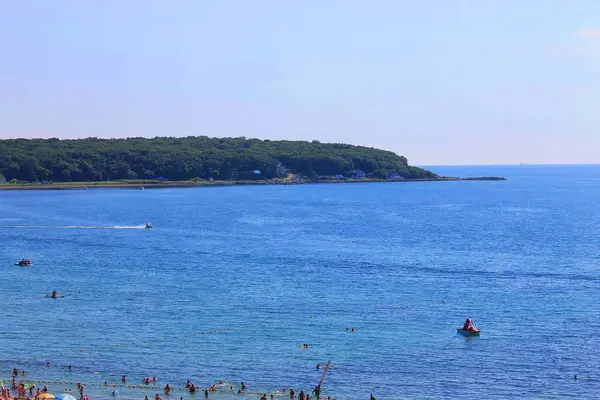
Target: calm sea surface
231,282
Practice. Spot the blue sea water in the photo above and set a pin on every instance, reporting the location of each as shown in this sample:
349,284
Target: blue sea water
231,281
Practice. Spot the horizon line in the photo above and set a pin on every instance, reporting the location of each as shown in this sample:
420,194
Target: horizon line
508,165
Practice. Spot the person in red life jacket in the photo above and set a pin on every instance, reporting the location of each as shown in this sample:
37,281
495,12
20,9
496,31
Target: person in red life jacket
469,325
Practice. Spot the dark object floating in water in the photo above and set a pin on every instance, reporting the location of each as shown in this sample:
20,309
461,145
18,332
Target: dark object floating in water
148,225
24,263
54,295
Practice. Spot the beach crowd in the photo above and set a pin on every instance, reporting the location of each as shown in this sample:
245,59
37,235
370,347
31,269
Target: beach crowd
28,391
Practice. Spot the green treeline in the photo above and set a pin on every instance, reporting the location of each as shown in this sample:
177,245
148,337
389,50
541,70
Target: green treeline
191,157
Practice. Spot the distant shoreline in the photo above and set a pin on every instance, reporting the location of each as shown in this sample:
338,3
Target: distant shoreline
184,184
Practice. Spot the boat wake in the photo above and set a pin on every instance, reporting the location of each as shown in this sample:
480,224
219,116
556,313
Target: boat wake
73,226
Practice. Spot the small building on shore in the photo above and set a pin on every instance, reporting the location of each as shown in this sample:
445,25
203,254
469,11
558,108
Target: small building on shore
280,170
359,174
394,176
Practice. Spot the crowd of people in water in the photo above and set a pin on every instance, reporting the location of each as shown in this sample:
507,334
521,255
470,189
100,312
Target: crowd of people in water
29,391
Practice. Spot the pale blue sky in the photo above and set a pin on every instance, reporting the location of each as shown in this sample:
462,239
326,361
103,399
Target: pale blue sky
441,82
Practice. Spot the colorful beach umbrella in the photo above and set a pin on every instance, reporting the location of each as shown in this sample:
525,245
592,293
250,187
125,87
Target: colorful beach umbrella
65,396
47,396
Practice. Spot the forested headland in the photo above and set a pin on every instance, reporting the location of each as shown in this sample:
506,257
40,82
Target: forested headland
194,157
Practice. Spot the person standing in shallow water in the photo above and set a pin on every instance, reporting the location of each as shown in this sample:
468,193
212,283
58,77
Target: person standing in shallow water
317,391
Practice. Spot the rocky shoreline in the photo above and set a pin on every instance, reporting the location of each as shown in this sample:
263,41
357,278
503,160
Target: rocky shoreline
161,185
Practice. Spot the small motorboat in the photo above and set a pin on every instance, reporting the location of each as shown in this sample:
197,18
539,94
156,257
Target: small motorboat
468,332
469,328
24,263
148,225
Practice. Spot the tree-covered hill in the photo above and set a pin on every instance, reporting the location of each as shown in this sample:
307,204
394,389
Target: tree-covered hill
191,157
